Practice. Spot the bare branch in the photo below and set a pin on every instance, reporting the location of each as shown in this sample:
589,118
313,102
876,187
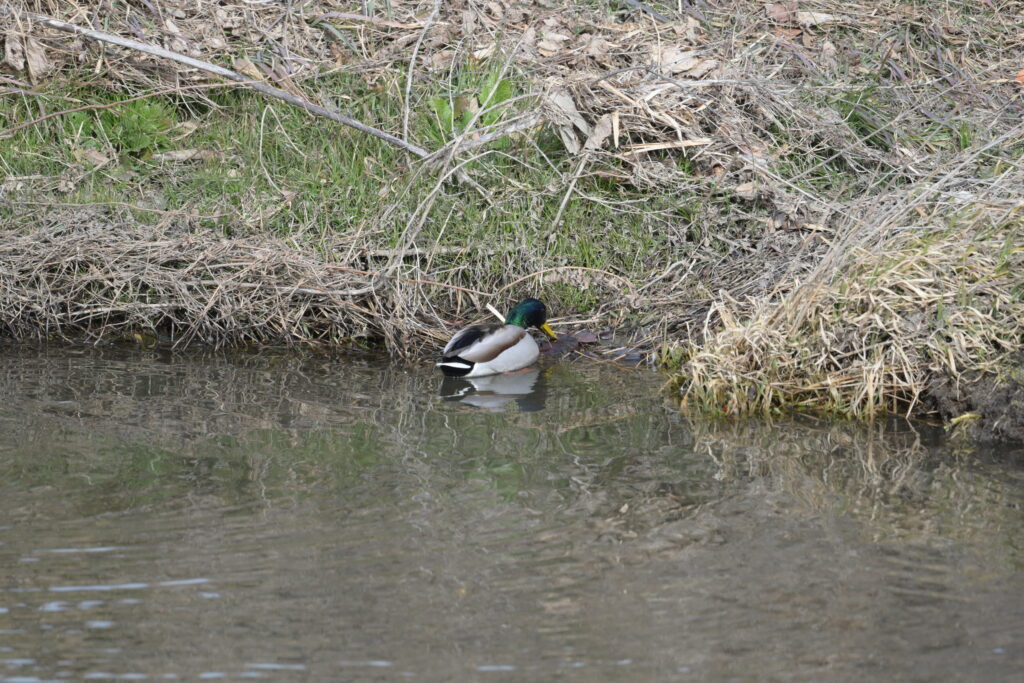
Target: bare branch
225,73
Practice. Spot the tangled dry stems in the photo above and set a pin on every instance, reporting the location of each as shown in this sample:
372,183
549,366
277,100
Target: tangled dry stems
93,281
851,173
875,335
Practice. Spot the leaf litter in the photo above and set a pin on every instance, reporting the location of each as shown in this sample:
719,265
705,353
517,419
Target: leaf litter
812,146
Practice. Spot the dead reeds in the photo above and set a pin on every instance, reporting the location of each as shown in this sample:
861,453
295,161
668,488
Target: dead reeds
926,302
832,190
103,279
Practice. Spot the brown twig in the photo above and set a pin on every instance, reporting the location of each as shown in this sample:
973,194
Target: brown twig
412,68
225,73
458,146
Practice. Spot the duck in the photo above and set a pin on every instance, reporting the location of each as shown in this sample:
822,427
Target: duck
480,350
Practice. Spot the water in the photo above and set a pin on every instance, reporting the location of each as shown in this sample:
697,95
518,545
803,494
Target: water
291,517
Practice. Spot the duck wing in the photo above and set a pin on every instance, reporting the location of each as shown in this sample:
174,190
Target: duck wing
483,343
466,337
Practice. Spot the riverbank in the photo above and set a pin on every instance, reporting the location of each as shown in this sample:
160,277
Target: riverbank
812,207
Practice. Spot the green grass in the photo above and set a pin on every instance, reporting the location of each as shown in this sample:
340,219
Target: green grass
273,169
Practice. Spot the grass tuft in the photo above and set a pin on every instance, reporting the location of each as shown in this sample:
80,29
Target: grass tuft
874,337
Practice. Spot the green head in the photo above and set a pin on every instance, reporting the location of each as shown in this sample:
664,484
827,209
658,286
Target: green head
530,313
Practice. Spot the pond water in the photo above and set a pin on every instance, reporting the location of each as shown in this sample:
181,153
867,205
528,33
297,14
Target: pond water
305,517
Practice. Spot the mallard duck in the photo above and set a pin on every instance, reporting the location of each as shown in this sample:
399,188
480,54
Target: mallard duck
480,350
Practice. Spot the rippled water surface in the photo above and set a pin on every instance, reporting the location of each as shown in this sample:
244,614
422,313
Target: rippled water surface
293,517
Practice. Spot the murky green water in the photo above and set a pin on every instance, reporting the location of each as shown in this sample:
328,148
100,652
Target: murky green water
310,518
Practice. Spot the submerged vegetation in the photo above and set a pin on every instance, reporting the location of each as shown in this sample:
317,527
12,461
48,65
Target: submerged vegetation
812,205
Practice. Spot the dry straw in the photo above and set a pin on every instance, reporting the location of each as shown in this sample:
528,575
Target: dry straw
848,181
924,305
113,281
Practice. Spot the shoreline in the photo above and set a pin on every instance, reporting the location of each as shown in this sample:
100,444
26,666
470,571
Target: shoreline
788,210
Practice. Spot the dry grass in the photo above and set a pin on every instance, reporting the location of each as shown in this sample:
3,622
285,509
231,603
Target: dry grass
874,336
90,280
830,190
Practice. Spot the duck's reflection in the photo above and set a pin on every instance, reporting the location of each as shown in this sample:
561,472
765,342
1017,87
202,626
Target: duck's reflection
527,388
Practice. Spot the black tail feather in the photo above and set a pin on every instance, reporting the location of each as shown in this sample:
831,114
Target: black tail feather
453,366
